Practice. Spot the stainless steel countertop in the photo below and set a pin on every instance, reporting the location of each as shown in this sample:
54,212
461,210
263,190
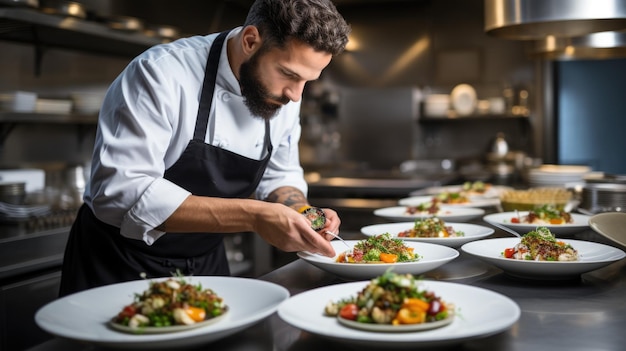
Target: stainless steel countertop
583,314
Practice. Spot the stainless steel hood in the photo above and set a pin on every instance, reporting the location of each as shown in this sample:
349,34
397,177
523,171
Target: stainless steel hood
537,19
595,46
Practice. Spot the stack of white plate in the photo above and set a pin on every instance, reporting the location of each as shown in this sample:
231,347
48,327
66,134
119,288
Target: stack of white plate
60,106
88,102
557,175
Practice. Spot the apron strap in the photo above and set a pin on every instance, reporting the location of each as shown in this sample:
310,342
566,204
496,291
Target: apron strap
208,87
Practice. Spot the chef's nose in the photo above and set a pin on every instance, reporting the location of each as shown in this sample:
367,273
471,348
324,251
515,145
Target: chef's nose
294,91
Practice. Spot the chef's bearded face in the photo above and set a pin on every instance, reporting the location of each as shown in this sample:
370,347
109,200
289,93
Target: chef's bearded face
256,96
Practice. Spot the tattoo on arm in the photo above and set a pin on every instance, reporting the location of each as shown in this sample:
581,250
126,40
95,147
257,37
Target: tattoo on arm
288,196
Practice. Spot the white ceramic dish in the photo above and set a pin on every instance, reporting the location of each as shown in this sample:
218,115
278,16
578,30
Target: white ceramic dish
162,330
581,222
432,256
464,99
472,232
84,316
591,257
611,225
389,328
493,192
452,214
473,202
482,313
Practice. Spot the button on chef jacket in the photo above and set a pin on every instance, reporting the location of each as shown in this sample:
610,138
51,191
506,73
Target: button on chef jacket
146,121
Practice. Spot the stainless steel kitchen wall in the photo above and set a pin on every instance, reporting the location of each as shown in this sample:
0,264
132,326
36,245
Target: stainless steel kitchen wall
426,44
431,46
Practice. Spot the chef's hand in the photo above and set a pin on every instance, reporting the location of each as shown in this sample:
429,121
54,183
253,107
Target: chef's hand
290,231
332,224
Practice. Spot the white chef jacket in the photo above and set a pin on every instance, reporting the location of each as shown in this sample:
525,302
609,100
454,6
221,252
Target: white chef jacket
146,121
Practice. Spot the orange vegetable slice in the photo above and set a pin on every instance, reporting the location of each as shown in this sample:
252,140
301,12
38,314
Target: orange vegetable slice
388,258
196,313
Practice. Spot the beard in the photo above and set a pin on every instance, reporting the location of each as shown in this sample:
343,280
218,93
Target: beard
256,96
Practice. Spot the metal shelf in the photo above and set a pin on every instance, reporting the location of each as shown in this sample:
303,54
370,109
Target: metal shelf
28,117
45,30
8,121
473,118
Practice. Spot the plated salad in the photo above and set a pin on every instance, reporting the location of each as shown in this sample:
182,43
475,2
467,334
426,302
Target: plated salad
541,245
448,197
168,303
432,227
379,249
395,300
425,208
476,188
544,215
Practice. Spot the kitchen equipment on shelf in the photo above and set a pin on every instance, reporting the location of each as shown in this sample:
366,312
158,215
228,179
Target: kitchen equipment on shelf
18,101
164,32
56,106
87,102
503,164
557,175
604,193
20,3
63,8
463,99
33,179
437,105
499,146
125,23
12,192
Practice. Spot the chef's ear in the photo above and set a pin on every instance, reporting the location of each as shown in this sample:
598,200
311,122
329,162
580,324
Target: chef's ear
251,39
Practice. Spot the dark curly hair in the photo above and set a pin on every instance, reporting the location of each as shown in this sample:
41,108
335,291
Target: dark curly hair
314,22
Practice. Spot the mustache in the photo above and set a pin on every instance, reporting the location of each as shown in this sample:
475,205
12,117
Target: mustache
281,99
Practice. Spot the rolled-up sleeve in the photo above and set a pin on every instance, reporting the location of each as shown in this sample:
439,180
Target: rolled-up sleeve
139,136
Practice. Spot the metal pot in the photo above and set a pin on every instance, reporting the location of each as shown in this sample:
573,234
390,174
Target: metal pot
604,193
12,192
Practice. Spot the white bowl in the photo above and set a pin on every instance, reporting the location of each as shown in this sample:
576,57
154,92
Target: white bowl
431,257
463,98
592,256
611,225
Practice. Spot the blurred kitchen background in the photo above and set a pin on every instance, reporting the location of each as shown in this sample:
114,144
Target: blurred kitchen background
423,96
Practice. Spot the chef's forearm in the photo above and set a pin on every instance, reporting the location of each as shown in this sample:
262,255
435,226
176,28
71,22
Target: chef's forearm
215,215
288,196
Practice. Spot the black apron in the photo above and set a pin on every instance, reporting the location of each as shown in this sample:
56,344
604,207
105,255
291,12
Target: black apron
97,254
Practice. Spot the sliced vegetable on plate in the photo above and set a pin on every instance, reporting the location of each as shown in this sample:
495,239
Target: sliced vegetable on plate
392,302
168,306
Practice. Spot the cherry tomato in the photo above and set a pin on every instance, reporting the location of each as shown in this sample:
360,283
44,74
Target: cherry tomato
127,311
349,311
514,220
509,252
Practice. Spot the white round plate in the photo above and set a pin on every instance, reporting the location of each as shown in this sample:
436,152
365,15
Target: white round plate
452,214
493,192
581,222
472,232
402,328
481,313
473,202
591,256
611,225
84,316
432,256
168,329
463,99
